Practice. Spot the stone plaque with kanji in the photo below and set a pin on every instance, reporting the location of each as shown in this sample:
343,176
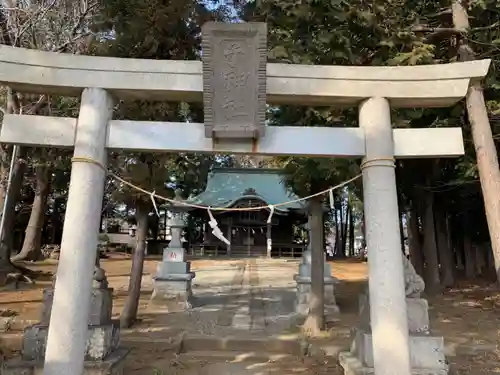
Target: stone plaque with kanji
234,79
175,255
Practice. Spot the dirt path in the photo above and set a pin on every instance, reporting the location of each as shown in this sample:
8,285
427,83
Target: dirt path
254,298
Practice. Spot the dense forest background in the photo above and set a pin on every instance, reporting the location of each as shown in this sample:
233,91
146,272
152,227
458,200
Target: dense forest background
441,202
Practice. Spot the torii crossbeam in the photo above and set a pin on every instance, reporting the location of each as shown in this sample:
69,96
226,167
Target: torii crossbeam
182,137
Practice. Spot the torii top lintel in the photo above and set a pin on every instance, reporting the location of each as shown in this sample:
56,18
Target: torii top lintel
69,75
65,74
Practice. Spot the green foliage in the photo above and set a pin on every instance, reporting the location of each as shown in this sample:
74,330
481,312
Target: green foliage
155,29
383,33
329,32
164,30
306,176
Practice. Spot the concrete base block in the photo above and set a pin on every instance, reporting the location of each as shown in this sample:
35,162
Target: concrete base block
418,315
163,269
426,355
101,306
112,365
101,341
303,292
305,270
173,291
417,311
353,366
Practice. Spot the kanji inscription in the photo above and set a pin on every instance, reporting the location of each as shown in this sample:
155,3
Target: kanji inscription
234,79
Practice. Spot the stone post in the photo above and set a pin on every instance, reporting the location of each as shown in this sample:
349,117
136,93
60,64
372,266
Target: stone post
67,334
391,352
315,321
172,283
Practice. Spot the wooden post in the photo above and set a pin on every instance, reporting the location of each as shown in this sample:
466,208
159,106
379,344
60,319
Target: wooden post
486,152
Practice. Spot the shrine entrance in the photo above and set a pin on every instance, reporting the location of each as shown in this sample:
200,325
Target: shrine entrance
251,231
235,83
249,234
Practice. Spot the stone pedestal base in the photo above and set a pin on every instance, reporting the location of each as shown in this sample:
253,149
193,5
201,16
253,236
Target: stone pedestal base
101,306
112,365
172,286
426,355
303,293
101,341
102,354
417,311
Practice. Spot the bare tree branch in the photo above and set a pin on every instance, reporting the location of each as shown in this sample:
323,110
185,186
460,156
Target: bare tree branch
53,25
434,33
34,20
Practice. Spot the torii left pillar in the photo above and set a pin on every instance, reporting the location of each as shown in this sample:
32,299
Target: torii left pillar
71,307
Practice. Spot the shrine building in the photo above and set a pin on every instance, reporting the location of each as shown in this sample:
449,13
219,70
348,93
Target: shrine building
249,231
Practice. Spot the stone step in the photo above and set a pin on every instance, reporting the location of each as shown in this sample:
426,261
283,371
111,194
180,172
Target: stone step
236,356
240,368
228,343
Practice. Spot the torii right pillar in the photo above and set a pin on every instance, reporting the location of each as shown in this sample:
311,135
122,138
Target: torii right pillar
386,347
388,315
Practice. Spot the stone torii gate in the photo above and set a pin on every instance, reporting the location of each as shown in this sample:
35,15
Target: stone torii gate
235,83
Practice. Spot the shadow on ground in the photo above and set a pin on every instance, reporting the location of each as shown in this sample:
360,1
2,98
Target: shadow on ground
467,314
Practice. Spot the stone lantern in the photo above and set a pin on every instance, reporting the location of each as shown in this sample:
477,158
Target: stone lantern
172,282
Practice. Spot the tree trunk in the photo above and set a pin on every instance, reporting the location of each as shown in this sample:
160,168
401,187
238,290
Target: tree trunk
4,176
337,234
363,230
10,213
7,237
490,263
315,321
341,247
445,252
416,254
102,221
56,221
460,253
129,313
13,106
346,226
32,245
351,232
480,261
469,259
154,226
451,248
431,270
402,233
486,153
18,171
401,225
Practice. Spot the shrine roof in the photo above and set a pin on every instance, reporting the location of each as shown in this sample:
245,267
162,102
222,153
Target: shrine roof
226,186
